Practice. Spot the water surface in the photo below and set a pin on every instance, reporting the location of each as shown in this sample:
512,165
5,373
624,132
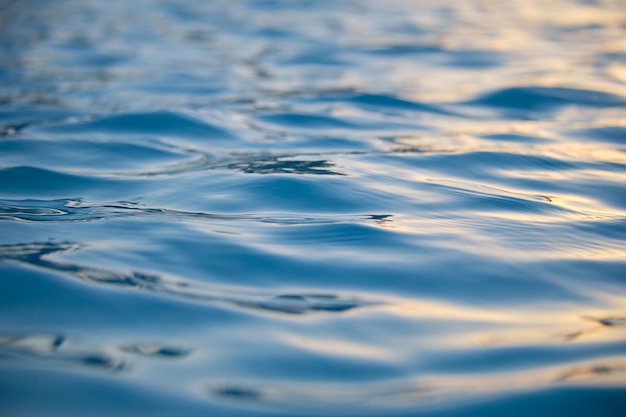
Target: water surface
312,208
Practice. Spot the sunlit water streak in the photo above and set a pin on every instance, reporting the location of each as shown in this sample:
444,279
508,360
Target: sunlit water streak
312,208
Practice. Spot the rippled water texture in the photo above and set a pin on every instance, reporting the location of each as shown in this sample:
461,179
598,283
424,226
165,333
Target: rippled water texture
312,208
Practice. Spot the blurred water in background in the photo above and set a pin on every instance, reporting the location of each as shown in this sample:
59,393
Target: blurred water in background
312,208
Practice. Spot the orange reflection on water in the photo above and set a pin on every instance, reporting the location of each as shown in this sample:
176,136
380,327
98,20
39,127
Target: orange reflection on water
471,325
336,347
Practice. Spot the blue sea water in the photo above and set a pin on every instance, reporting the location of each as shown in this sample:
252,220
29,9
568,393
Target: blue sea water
312,208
